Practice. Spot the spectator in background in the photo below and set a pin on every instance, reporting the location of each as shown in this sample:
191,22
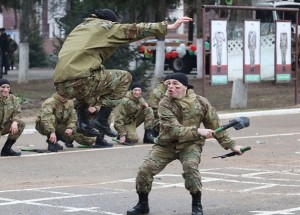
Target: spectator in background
12,47
4,51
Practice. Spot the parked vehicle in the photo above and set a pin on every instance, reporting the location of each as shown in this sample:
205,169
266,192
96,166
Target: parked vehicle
180,56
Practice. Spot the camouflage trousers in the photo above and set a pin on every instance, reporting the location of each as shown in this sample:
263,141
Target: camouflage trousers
146,116
103,87
60,134
6,128
159,157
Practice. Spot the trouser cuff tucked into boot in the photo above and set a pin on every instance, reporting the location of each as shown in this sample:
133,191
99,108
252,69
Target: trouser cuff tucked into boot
7,150
100,122
83,125
148,137
102,143
196,204
142,206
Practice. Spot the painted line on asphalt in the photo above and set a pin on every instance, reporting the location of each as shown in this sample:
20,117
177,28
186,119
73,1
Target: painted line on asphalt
260,113
278,212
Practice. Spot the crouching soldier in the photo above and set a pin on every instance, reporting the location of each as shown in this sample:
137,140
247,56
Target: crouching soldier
57,120
131,113
10,122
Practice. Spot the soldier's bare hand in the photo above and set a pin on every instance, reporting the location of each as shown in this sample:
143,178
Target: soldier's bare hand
69,132
122,139
178,22
236,149
145,105
53,138
207,133
92,109
14,128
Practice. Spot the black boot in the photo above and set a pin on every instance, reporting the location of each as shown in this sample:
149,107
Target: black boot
196,204
100,122
68,142
148,138
83,125
53,147
142,206
7,150
102,143
155,133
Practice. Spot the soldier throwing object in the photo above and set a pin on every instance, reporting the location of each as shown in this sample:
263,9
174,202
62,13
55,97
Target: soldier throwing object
181,112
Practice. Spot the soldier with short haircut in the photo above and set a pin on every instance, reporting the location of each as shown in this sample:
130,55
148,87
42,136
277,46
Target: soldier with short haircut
181,112
130,114
80,74
10,122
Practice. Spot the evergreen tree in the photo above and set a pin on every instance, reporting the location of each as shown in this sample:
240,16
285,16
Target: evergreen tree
37,54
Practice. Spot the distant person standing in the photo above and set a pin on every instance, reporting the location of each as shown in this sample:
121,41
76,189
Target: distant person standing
4,51
12,47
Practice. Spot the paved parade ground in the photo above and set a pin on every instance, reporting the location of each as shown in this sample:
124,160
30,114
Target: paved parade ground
263,181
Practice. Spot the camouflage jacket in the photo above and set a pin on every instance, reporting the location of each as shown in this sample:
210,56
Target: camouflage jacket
95,40
10,110
127,112
155,96
180,118
53,112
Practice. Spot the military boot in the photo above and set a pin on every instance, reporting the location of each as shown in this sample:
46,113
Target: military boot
83,124
196,204
7,150
100,122
68,142
54,147
142,206
148,138
155,133
102,143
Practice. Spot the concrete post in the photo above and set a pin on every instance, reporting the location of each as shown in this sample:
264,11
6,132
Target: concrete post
239,95
23,62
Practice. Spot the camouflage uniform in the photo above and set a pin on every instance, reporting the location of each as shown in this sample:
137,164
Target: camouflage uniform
154,98
130,114
179,139
79,72
56,116
10,112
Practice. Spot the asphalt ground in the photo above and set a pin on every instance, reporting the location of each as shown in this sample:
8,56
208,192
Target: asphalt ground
80,181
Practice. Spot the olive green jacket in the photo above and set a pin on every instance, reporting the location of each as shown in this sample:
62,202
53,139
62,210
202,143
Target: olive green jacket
94,41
